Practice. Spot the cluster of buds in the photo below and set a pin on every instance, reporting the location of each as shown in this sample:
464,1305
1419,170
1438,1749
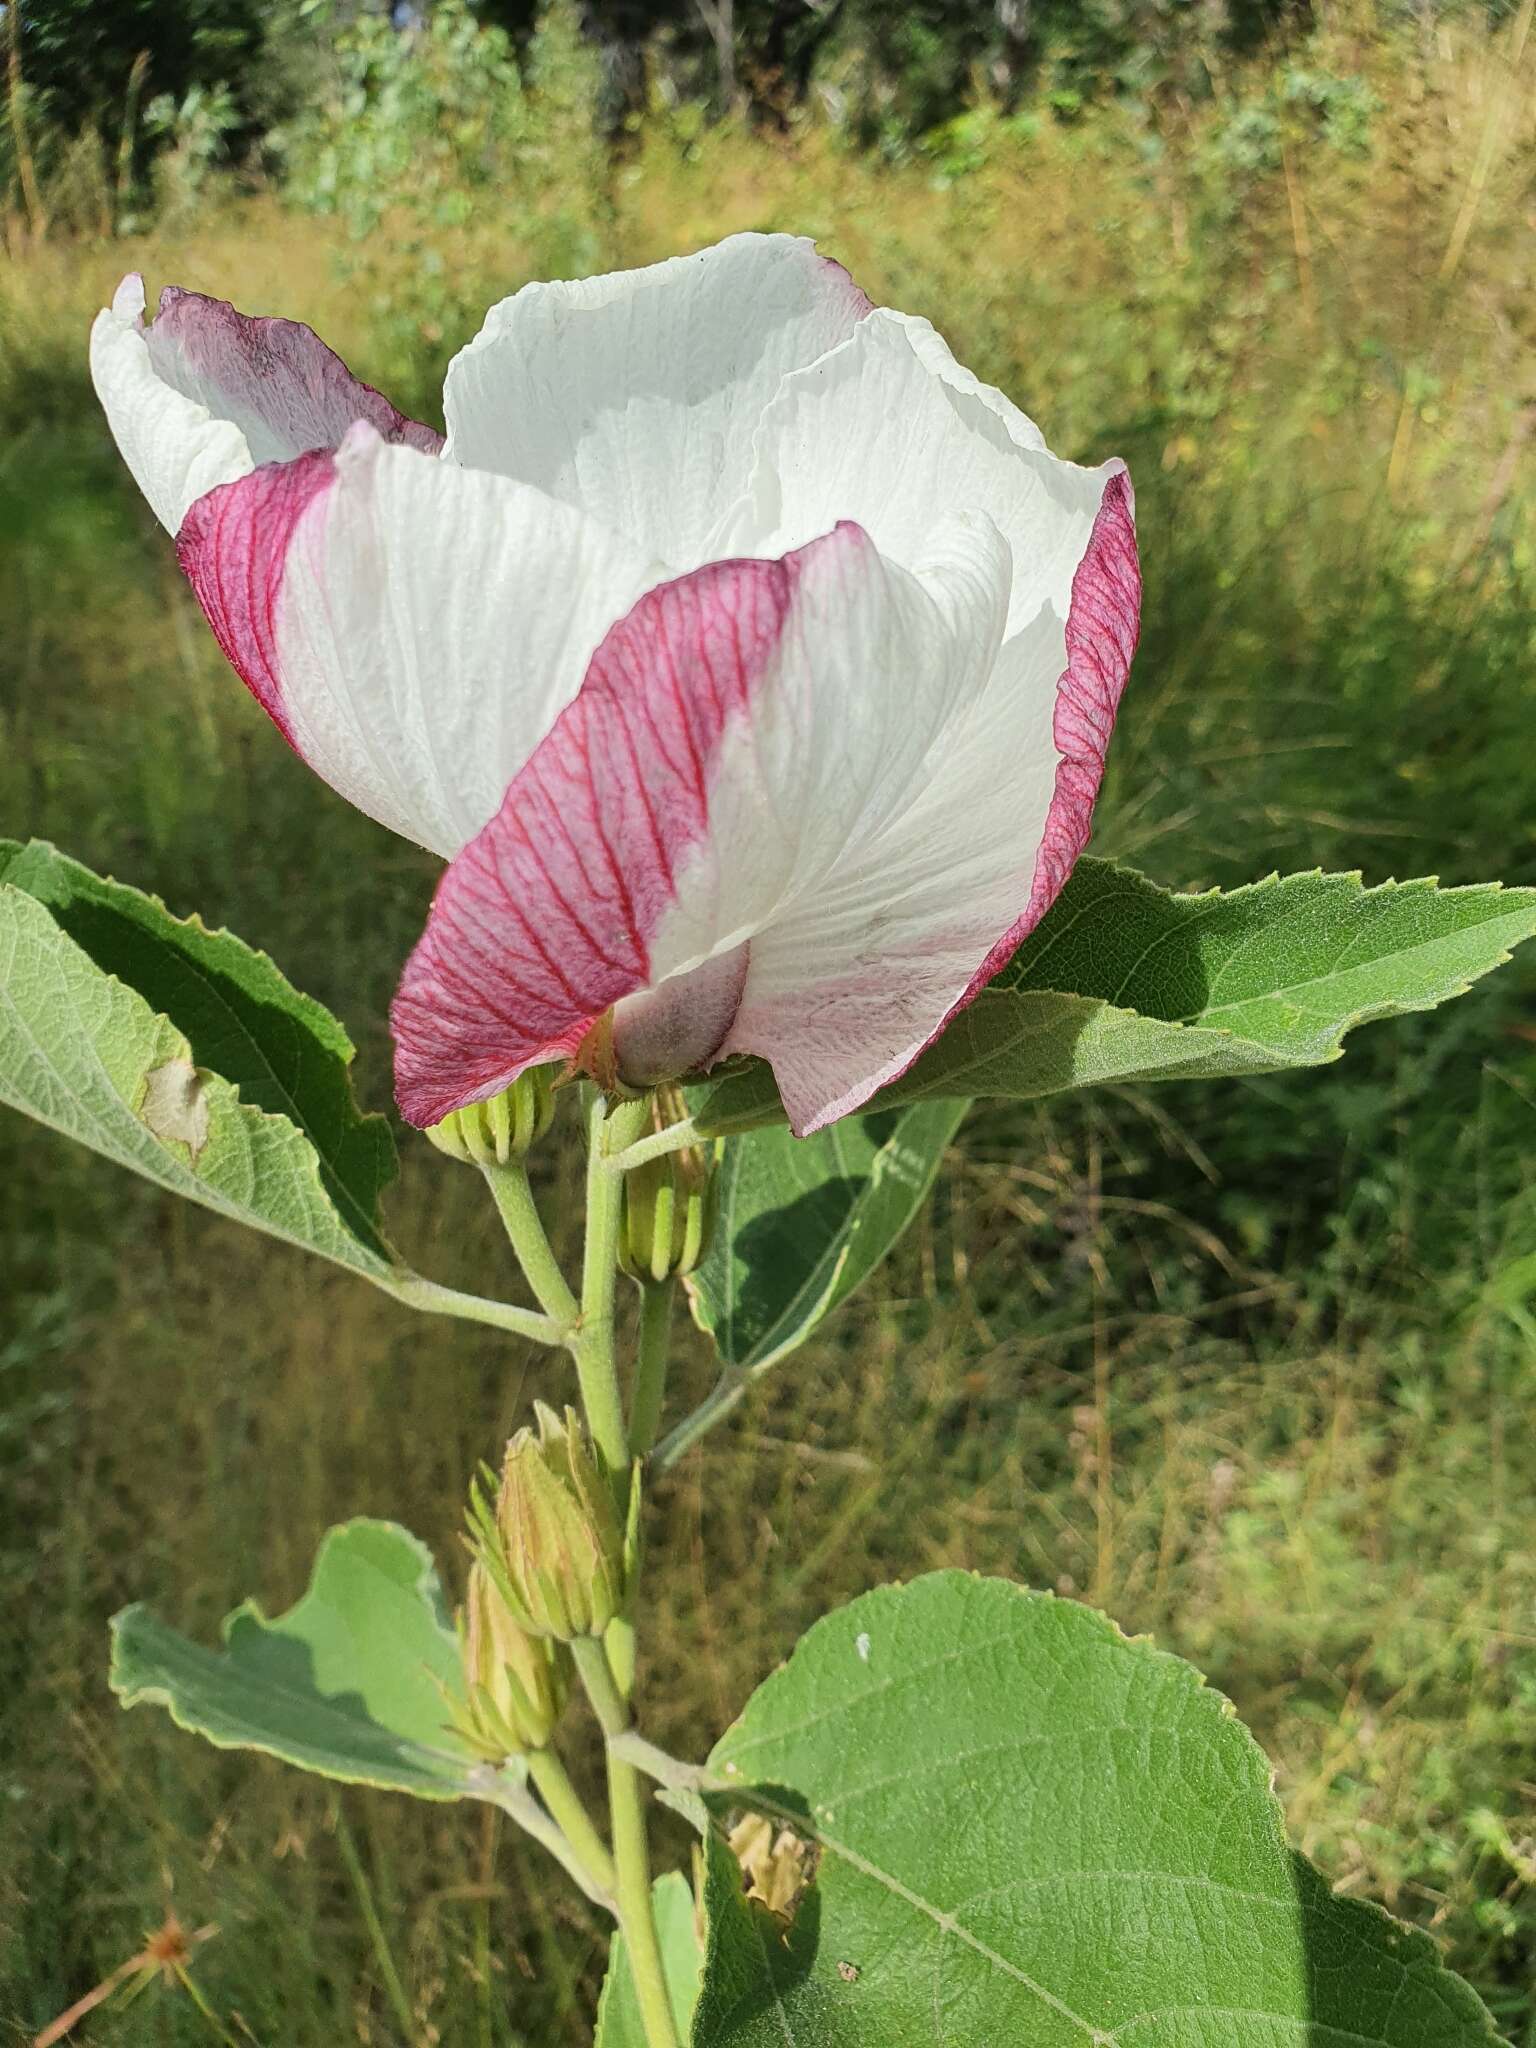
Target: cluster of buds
553,1544
516,1684
668,1205
504,1128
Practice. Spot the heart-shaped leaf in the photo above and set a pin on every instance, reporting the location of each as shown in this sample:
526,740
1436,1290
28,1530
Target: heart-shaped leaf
1124,981
1022,1827
619,2024
800,1222
350,1683
184,1054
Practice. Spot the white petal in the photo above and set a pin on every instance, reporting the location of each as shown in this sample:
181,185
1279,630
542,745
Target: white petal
175,448
636,395
413,628
889,430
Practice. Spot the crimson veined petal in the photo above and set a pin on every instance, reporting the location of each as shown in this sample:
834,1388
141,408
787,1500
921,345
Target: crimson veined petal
205,393
411,627
741,738
636,395
818,787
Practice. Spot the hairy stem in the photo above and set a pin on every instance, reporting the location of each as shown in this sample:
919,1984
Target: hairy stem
668,1770
519,1805
631,1851
672,1139
593,1348
649,1391
434,1300
571,1816
513,1195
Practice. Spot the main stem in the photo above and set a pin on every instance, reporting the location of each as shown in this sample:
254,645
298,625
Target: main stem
626,1803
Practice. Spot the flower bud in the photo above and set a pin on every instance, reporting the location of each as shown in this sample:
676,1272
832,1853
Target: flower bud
554,1543
505,1127
668,1208
516,1683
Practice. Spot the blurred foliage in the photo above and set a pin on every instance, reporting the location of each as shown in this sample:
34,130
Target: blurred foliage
97,89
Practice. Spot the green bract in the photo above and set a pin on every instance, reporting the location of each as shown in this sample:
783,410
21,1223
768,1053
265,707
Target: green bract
553,1543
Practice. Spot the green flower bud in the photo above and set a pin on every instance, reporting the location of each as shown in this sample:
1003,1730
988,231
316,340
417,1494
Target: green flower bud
554,1543
517,1684
504,1128
669,1206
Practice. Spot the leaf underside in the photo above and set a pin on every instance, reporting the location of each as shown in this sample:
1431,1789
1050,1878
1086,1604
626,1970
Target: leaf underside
186,1056
350,1683
1033,1830
1125,981
801,1222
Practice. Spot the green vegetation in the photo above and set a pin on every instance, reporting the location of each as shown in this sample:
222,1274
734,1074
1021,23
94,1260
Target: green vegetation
1249,1364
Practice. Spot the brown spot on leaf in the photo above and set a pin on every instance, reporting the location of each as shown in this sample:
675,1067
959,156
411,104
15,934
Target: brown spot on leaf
777,1865
175,1106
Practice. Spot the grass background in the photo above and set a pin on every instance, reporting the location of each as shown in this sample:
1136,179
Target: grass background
1248,1365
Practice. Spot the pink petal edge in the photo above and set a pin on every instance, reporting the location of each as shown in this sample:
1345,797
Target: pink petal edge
1103,625
280,370
234,549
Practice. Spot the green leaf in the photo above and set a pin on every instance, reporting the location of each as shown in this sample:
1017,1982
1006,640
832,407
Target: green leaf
184,1054
1124,981
349,1683
619,2024
800,1222
1033,1830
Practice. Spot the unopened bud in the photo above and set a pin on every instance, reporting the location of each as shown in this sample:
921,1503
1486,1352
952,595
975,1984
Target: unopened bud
503,1128
554,1542
668,1205
516,1683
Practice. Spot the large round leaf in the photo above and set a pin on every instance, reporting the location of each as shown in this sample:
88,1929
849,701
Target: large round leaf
1032,1831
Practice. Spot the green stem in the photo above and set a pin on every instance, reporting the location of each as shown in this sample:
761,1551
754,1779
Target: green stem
593,1349
518,1804
575,1823
513,1196
393,1988
672,1139
434,1300
631,1852
728,1390
666,1769
650,1388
